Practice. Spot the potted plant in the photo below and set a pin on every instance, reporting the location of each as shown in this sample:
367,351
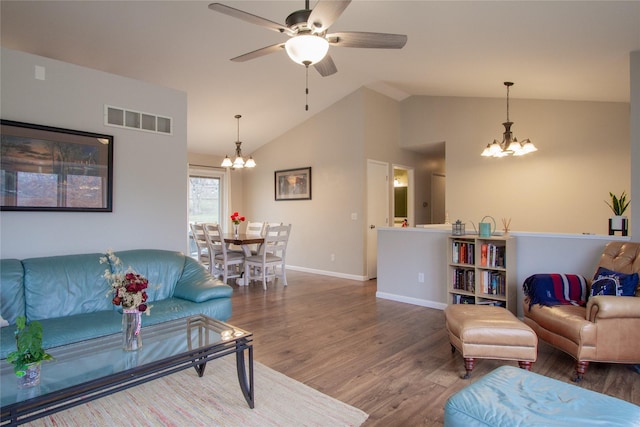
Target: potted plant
618,205
29,354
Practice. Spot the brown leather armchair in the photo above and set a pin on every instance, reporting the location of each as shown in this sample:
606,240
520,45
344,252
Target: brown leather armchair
606,330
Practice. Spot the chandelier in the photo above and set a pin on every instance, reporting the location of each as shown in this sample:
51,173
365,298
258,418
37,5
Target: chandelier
509,144
238,162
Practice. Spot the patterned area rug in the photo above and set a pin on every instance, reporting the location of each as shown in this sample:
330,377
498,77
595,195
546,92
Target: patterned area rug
183,399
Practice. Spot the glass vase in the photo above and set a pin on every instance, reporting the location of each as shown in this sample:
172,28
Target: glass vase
236,229
31,377
131,329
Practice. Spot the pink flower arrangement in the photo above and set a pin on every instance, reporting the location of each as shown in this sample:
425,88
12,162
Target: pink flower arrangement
128,287
236,218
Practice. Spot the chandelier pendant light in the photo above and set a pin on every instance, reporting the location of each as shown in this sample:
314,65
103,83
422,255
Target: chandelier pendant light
509,144
239,161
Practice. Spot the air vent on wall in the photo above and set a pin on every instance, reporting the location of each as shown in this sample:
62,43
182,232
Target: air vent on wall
120,117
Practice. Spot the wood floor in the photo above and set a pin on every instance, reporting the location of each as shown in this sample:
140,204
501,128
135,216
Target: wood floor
390,359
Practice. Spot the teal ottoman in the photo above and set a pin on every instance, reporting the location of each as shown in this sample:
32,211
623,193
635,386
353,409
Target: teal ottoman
509,396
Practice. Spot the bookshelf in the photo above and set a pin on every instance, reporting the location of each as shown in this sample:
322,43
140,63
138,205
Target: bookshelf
482,271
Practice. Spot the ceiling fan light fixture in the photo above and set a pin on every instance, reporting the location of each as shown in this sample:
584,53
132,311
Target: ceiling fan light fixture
307,49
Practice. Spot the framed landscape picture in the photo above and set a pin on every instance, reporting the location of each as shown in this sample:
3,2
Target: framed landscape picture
293,184
44,168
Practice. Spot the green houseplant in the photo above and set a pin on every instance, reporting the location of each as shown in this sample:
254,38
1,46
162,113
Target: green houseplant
29,353
618,204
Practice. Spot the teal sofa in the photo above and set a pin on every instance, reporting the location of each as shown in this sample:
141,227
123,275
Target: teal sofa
70,297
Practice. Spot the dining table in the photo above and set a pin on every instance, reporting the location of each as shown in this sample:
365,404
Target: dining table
243,240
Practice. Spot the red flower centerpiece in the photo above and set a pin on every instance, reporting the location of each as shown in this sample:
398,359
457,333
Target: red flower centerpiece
236,219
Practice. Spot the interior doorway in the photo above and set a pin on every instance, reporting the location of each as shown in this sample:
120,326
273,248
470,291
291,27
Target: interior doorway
403,196
377,210
438,210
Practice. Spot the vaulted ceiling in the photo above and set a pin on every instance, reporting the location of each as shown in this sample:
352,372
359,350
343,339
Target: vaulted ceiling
571,50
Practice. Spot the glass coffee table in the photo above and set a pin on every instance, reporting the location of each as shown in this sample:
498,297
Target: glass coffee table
98,367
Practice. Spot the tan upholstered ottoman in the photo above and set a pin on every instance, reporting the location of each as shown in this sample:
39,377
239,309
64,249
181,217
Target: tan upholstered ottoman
487,332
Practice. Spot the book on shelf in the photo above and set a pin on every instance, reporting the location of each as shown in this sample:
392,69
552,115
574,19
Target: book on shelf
493,282
462,252
463,279
455,252
492,255
470,284
483,254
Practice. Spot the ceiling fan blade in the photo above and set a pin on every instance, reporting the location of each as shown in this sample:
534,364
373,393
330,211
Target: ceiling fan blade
248,17
367,40
258,53
325,13
326,67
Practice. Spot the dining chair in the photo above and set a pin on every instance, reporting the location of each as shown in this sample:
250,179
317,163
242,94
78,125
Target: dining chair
214,246
224,262
255,228
197,234
270,263
272,225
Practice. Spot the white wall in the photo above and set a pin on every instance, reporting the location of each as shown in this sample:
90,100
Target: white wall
150,186
583,154
404,253
382,142
336,143
331,143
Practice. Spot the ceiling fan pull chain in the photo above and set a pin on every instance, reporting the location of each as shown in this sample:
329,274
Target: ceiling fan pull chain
306,90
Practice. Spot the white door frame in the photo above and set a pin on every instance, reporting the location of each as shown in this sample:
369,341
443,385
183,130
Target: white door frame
378,210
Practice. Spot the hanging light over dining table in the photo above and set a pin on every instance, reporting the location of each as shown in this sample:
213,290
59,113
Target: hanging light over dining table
238,162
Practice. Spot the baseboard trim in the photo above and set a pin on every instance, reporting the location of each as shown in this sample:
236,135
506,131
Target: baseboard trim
328,273
410,300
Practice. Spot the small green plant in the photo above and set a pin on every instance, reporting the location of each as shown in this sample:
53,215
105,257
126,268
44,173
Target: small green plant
618,204
29,346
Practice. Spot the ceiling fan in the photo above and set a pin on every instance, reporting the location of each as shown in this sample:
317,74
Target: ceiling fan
309,42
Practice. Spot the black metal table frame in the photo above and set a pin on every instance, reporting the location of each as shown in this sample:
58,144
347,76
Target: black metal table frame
41,406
